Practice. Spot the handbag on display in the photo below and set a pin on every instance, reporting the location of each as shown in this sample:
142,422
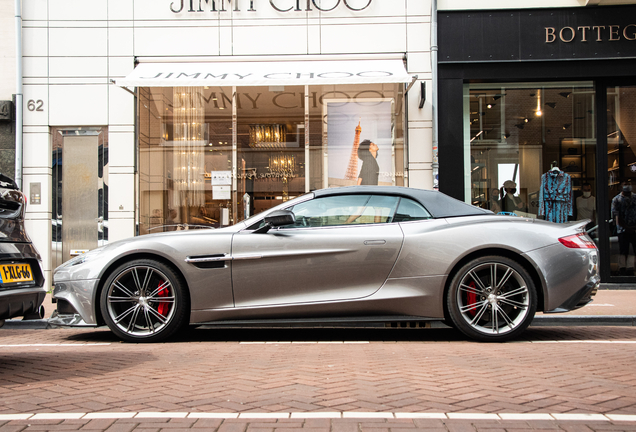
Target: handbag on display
572,167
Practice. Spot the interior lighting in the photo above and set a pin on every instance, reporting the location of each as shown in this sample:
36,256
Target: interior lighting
268,136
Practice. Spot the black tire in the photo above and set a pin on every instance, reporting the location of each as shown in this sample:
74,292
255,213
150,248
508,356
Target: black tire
144,301
490,312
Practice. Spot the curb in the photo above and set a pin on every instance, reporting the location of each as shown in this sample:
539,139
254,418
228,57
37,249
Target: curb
584,320
539,321
39,324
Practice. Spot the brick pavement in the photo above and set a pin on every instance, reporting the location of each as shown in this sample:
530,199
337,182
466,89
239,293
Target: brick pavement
556,370
312,425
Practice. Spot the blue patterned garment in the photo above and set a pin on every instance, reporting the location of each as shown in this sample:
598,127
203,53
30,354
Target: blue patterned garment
625,207
555,196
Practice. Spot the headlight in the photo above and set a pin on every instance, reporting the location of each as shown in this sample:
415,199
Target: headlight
80,259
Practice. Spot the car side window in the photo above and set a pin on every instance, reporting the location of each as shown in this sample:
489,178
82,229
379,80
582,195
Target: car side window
409,210
344,210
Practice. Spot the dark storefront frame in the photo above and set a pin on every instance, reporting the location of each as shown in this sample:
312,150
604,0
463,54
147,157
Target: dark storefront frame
503,37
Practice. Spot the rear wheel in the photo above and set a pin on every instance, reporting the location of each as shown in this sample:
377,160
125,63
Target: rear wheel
144,301
492,299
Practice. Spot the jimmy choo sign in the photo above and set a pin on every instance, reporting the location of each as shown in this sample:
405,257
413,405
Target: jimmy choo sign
179,6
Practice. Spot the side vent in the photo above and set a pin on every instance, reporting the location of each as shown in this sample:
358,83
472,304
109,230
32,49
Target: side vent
209,264
408,324
208,261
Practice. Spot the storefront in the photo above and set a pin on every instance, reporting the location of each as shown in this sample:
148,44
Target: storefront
220,142
150,116
547,103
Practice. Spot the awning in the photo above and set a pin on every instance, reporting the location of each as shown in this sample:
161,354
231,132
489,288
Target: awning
258,73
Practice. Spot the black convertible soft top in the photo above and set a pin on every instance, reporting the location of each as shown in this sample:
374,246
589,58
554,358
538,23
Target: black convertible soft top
438,204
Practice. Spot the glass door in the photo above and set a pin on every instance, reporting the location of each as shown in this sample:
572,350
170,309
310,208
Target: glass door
80,191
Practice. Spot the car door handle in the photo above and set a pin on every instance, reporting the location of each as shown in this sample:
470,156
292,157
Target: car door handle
374,242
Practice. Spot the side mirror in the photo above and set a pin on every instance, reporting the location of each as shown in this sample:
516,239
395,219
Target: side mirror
275,219
280,217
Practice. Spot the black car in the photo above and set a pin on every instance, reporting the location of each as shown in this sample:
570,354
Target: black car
22,288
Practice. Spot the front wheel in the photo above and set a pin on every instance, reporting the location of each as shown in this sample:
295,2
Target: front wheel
492,299
144,301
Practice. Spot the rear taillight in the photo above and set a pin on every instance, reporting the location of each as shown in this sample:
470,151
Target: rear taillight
578,241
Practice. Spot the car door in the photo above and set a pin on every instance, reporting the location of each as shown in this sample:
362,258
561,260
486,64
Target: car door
340,247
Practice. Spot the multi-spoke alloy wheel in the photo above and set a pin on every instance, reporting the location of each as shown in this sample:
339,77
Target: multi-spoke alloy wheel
143,301
492,298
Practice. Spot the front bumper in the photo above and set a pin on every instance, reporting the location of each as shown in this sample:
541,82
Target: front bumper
81,300
68,320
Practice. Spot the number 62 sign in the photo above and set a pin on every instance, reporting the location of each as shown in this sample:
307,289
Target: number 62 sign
35,105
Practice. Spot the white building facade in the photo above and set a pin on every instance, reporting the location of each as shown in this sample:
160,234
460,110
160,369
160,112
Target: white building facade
143,116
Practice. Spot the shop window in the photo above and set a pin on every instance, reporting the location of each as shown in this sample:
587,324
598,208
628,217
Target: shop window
213,156
356,135
532,148
621,172
270,146
185,158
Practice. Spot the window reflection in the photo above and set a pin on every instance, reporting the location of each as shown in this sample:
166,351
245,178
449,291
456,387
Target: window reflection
621,171
213,156
532,148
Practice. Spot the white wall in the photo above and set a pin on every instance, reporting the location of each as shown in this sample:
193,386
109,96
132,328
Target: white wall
72,49
7,49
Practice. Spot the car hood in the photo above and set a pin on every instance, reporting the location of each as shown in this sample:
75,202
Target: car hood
169,245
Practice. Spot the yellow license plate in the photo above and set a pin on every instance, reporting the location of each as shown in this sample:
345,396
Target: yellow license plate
10,273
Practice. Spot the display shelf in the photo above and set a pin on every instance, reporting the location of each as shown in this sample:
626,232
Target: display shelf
572,157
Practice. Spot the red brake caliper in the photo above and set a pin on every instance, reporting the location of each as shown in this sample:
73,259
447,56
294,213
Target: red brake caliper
162,308
471,298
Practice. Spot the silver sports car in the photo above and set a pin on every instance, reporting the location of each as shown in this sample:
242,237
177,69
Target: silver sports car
351,254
